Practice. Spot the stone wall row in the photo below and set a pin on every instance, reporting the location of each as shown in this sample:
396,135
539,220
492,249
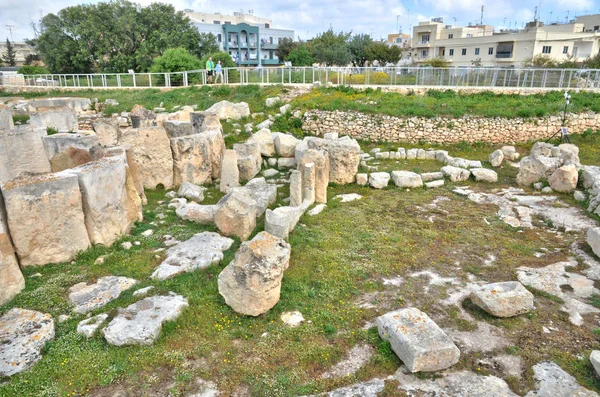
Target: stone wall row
378,127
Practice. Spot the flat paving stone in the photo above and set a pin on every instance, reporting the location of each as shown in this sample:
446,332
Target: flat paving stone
94,296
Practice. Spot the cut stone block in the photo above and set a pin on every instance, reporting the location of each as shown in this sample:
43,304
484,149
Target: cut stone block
235,214
407,179
431,176
62,119
308,183
496,158
11,278
265,142
107,131
295,188
593,239
191,160
379,180
505,299
285,145
22,153
230,173
87,297
320,158
434,184
456,174
229,110
344,158
282,221
484,175
249,160
178,128
6,119
58,143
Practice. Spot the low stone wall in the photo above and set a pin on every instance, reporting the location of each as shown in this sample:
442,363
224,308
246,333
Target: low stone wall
379,127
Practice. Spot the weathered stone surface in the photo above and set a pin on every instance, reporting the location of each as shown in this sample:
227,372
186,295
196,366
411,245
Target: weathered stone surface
432,176
293,319
89,326
320,159
230,173
286,163
31,158
178,128
569,154
379,180
308,183
593,239
249,160
260,191
345,198
362,179
272,101
62,119
72,157
58,143
541,149
140,323
595,360
23,334
191,192
235,214
229,110
200,251
6,120
496,158
484,175
270,172
203,214
357,357
107,131
456,174
11,278
552,381
265,142
417,340
295,188
510,153
106,202
251,283
192,160
150,149
506,299
142,117
217,149
564,179
45,218
434,184
285,145
205,121
344,158
87,297
282,221
407,179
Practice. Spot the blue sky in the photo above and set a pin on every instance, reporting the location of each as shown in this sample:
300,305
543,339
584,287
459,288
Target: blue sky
309,17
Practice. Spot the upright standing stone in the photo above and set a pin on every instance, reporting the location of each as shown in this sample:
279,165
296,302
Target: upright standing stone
320,158
308,183
205,121
178,128
249,159
191,160
230,174
235,214
22,153
295,188
217,148
11,278
344,157
45,218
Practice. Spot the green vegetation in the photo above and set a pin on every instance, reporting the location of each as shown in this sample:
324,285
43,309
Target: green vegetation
20,118
31,69
10,56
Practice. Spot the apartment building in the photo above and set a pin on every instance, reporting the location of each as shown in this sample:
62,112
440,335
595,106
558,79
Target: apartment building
21,49
401,40
468,45
250,40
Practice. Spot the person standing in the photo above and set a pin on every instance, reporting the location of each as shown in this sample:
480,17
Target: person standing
210,66
218,72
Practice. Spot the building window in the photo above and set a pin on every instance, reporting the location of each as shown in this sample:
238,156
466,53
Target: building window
444,52
227,22
596,28
424,53
476,51
491,51
451,52
451,35
504,50
464,51
219,37
217,22
425,38
566,49
267,25
546,49
469,35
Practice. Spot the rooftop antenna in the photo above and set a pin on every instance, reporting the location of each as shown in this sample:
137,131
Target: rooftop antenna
567,18
10,27
550,21
504,23
535,14
398,23
481,19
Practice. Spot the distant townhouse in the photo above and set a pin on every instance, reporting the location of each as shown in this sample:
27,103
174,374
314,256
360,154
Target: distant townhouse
21,51
250,40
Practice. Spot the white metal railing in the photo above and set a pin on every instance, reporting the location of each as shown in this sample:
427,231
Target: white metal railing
372,76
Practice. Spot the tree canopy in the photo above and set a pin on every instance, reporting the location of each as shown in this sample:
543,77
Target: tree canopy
383,53
10,56
331,48
285,46
300,56
357,46
116,36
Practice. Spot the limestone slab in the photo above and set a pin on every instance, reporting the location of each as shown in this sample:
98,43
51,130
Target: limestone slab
506,299
192,160
22,153
87,297
407,179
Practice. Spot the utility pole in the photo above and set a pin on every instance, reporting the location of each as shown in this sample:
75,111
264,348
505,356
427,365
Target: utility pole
481,19
398,23
567,18
10,27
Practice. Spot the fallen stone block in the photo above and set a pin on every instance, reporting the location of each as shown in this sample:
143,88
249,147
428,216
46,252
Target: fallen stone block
229,110
58,143
418,341
282,221
203,214
510,153
564,179
178,129
143,118
286,162
407,179
265,142
285,145
22,153
192,161
235,214
505,299
456,174
431,176
595,360
379,180
434,184
191,192
249,160
496,158
260,191
552,381
87,297
484,175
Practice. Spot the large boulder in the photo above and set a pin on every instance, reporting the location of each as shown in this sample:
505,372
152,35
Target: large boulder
11,278
285,145
484,175
61,119
456,174
282,220
87,297
407,179
530,171
296,188
6,120
251,283
203,214
58,143
106,200
564,179
235,214
496,158
418,341
541,149
150,149
229,110
249,160
265,141
344,157
107,131
262,192
141,322
22,153
505,299
191,192
45,218
569,154
379,180
192,160
510,153
320,158
23,334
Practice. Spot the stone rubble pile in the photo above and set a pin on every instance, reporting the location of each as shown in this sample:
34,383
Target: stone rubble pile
558,165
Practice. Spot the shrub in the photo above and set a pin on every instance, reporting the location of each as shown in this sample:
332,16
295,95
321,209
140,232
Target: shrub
436,62
380,78
29,69
356,79
175,60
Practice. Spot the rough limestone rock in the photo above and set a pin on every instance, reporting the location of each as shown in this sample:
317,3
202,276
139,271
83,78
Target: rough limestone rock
564,179
11,278
107,131
192,160
285,145
142,117
595,360
61,119
105,199
87,297
141,322
6,120
506,299
510,153
295,188
230,173
282,221
23,334
593,239
191,192
150,149
70,158
496,158
379,180
417,340
286,163
265,142
308,184
249,160
432,176
272,101
58,143
200,251
344,158
552,381
262,192
362,179
31,159
484,175
541,149
235,214
251,283
407,179
45,218
203,214
76,103
89,326
320,159
229,110
456,174
569,154
178,128
530,171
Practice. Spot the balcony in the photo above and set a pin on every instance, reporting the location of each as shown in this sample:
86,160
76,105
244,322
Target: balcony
423,44
504,56
268,46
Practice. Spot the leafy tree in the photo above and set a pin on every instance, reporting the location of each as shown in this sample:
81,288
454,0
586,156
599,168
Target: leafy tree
208,44
331,48
33,59
10,56
383,53
437,63
300,56
176,60
29,69
592,62
357,46
285,47
113,36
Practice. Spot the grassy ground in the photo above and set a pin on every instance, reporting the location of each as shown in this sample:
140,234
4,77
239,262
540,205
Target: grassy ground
339,259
